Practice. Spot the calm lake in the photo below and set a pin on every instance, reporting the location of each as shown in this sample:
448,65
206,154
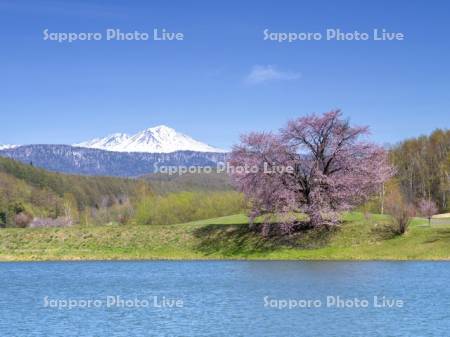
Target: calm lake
239,298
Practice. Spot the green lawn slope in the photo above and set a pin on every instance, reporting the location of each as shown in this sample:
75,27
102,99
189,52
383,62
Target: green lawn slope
359,238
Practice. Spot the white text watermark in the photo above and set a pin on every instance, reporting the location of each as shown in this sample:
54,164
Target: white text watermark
338,302
266,168
113,301
334,34
112,34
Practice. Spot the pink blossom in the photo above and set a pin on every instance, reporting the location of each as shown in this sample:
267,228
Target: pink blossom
332,169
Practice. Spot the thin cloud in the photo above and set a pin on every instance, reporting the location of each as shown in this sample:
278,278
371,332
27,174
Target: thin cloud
261,74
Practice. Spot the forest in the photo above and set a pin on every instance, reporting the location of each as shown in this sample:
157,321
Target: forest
423,168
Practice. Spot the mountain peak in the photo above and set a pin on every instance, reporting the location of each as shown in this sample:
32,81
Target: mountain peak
161,127
157,139
161,130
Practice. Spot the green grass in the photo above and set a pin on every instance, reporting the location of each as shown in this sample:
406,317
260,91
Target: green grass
229,238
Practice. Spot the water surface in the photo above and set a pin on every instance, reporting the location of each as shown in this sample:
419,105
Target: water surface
235,298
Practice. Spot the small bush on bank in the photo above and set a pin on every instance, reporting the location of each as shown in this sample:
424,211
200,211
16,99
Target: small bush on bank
400,211
22,219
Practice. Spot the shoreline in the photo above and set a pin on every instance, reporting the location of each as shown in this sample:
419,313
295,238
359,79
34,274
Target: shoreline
219,260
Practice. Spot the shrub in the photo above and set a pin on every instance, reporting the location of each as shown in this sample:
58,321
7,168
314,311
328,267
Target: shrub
125,215
400,211
22,219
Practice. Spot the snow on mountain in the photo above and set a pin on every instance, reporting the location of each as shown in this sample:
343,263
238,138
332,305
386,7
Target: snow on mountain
7,146
111,141
159,139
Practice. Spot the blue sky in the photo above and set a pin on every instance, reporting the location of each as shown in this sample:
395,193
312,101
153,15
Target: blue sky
223,79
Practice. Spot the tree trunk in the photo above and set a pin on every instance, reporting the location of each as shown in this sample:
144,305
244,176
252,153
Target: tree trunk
382,198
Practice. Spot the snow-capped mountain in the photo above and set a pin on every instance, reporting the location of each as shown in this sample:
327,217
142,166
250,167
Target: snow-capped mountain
7,146
159,139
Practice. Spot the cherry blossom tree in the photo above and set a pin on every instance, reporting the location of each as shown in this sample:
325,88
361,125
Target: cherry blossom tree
427,208
317,165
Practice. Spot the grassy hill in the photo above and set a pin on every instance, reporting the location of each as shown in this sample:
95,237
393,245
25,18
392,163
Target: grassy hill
229,238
